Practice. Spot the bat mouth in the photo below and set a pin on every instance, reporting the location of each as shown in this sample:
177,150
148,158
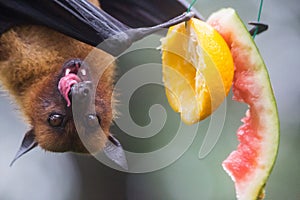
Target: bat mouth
74,73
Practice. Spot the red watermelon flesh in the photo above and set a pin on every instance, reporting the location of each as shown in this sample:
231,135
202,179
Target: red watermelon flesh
251,163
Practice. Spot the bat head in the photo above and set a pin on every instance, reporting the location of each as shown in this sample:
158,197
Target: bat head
71,110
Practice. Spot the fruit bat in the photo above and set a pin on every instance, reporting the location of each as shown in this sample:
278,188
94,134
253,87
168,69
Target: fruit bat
42,48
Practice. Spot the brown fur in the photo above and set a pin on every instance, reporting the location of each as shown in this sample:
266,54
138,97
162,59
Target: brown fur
31,59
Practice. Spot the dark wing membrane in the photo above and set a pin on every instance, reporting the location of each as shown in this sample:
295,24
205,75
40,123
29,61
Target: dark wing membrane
81,20
77,18
144,13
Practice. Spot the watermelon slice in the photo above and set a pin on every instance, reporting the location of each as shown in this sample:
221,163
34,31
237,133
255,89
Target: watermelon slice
250,165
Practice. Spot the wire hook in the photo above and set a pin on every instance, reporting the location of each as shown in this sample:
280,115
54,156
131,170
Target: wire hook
258,28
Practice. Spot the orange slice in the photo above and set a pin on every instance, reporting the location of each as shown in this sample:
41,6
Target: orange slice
197,69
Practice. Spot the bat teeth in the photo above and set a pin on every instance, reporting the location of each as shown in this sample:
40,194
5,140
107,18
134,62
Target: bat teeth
67,71
83,72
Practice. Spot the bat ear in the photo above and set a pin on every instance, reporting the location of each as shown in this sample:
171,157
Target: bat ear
27,144
114,151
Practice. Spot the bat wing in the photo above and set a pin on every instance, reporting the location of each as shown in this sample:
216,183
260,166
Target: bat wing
81,20
78,19
147,12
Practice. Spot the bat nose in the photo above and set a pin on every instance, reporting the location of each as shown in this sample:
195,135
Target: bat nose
81,92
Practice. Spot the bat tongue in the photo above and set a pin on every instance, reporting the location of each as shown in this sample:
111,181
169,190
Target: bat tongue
65,84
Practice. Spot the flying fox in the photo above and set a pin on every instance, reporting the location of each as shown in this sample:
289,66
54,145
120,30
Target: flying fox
43,65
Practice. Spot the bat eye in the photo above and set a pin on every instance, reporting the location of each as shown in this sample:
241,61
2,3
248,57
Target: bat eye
92,121
55,119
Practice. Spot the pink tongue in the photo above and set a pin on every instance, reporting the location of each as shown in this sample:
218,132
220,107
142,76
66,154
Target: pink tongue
65,84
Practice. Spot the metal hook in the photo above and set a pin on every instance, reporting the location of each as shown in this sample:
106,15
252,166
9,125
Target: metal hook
261,27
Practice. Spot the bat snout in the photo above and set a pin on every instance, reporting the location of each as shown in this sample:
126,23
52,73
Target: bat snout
75,81
81,92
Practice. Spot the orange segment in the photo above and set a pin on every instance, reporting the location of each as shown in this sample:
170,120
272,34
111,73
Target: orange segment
197,69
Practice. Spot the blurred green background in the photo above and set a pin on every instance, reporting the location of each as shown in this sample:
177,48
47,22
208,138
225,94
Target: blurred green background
41,175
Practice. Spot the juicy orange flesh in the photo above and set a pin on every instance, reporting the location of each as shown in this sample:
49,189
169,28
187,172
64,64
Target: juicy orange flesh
188,76
197,69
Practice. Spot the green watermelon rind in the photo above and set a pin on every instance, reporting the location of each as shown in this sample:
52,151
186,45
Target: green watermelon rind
226,21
